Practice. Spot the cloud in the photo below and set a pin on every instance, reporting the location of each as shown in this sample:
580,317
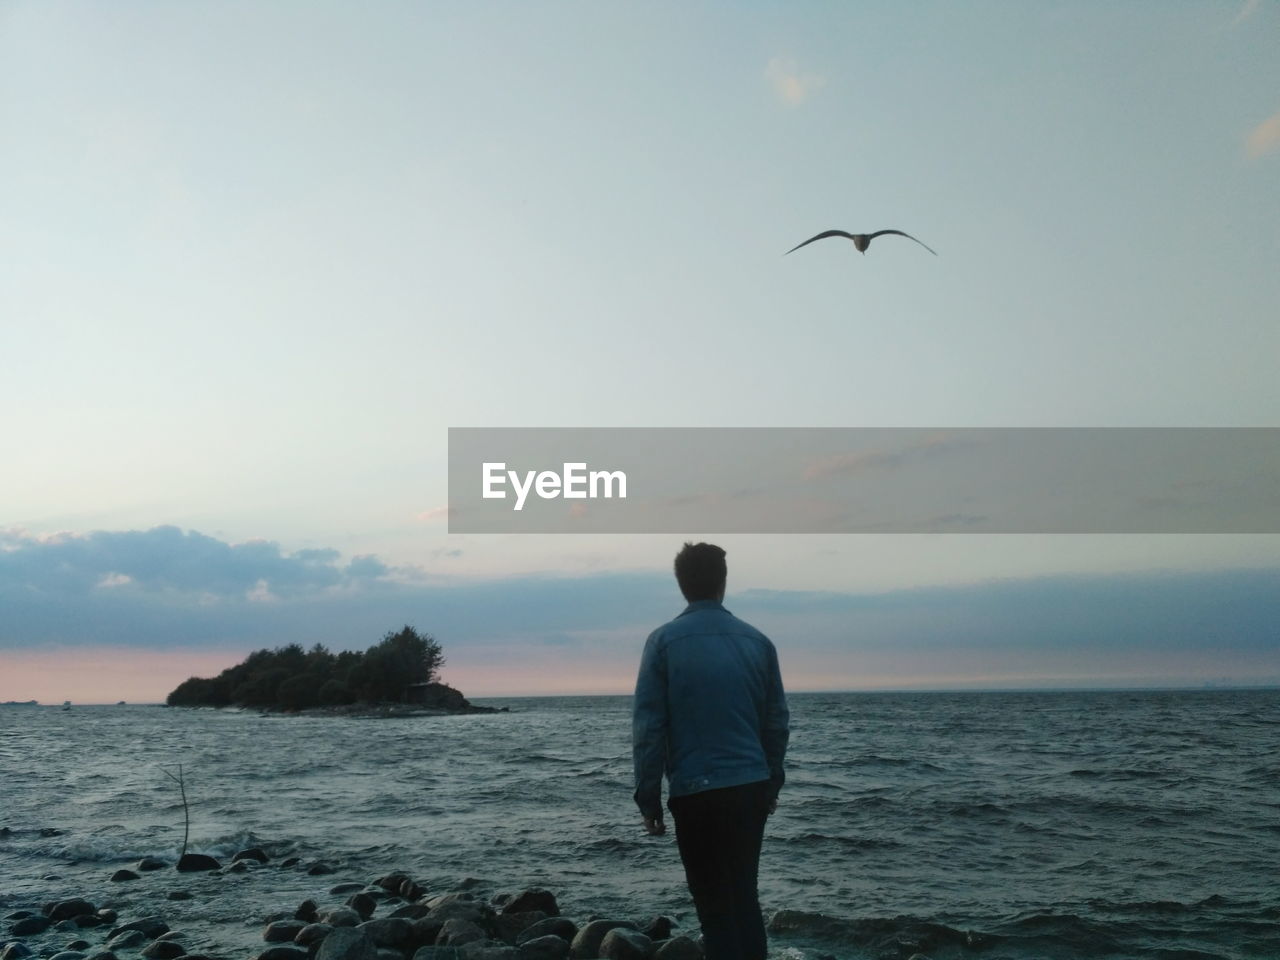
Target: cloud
437,513
792,86
190,592
1264,138
164,559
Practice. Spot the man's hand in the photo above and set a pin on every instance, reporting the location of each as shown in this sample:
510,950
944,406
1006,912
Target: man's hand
654,827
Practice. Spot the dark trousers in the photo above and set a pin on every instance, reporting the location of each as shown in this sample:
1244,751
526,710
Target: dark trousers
719,834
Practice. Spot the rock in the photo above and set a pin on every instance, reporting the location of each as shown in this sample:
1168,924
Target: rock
80,945
320,869
659,928
151,927
240,866
306,911
85,920
282,931
348,887
678,948
412,911
621,943
102,955
30,926
389,931
534,899
163,950
18,915
441,900
15,950
172,935
471,910
458,931
253,853
411,891
290,861
68,955
340,917
392,881
586,945
121,875
67,909
193,862
108,915
437,953
507,926
151,863
488,950
347,943
312,933
283,952
425,931
178,895
561,927
549,947
363,904
127,940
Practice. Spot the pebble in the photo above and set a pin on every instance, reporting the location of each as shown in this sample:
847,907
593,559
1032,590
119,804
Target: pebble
549,947
283,931
347,943
622,943
283,953
67,909
163,950
127,940
586,945
30,926
348,887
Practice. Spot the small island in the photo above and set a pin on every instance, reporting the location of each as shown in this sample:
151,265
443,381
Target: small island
397,676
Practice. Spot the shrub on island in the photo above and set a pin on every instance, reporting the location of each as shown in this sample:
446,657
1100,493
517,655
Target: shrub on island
401,668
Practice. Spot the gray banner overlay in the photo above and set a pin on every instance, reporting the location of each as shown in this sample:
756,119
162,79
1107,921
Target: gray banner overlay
864,480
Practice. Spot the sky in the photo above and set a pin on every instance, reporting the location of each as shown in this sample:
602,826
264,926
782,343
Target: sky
256,260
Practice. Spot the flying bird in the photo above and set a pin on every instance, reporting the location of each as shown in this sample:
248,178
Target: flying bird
860,240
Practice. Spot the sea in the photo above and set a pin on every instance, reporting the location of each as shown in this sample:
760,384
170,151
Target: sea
1116,824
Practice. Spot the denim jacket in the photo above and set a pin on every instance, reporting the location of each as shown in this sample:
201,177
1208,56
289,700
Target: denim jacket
709,707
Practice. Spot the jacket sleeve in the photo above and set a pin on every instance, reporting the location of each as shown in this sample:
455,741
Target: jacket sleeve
777,724
649,728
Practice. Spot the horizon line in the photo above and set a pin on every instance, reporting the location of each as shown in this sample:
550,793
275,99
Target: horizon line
1158,688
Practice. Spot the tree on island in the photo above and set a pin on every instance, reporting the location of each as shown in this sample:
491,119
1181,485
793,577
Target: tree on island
290,678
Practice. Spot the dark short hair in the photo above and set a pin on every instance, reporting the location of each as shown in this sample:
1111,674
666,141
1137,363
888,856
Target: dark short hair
701,571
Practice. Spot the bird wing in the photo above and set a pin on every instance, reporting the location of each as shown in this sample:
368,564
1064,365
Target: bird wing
880,233
823,236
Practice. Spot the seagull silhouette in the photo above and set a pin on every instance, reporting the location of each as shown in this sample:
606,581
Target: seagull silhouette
860,240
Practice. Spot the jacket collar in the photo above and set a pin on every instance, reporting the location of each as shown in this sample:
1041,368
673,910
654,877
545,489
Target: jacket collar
702,605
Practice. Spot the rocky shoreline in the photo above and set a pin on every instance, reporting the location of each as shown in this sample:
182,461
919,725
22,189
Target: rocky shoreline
390,918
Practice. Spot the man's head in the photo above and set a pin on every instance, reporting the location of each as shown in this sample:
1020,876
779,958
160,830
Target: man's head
701,572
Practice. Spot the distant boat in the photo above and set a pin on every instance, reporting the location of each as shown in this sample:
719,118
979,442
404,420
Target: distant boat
20,703
66,704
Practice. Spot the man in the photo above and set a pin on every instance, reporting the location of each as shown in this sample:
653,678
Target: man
710,710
